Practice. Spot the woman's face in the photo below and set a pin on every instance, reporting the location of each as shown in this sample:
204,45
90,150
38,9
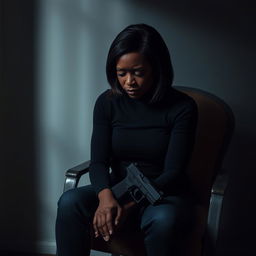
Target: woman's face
134,74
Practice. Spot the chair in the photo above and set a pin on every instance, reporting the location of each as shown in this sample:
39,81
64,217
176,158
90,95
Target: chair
209,181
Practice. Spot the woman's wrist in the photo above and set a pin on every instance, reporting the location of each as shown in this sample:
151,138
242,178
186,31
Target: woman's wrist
105,193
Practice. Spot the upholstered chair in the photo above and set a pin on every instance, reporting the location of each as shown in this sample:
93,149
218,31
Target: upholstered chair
209,181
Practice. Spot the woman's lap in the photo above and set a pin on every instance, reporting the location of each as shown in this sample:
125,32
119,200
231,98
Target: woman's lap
162,225
83,198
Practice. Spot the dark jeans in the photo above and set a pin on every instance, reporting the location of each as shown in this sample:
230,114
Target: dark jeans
163,225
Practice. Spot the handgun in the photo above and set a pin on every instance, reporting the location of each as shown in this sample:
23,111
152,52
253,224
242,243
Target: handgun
138,186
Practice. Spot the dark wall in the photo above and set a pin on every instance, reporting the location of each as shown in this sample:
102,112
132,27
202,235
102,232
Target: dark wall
18,187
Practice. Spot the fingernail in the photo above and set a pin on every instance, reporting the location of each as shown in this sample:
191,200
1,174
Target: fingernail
116,222
110,232
106,238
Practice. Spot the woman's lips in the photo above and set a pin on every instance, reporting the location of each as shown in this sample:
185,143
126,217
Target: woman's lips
132,91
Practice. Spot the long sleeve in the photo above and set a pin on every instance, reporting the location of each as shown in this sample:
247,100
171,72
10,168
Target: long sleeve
179,148
100,144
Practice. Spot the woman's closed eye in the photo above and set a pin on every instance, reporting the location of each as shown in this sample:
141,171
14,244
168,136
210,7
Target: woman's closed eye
139,73
121,74
135,72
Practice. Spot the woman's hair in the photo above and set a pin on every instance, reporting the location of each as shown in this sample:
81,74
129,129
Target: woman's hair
145,40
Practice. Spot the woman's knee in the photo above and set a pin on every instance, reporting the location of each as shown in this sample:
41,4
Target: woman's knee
165,220
68,202
78,201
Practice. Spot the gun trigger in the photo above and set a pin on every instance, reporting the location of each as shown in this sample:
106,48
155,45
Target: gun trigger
138,200
137,195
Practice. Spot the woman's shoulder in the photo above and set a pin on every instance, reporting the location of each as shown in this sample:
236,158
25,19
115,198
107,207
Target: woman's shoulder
104,96
108,96
180,106
102,107
104,99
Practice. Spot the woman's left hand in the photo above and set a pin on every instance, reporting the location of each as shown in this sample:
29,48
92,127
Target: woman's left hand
108,211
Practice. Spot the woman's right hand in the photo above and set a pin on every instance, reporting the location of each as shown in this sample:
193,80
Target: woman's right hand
107,214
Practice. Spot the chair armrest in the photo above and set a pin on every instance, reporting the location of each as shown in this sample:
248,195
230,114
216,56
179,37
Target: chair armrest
216,201
74,174
220,185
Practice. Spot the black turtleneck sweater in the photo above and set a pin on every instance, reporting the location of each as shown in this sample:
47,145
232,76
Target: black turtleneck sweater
159,137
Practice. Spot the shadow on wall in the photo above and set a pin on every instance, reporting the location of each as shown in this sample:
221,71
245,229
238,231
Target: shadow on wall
236,17
238,222
18,187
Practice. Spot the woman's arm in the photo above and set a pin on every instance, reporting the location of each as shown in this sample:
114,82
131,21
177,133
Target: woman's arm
108,207
109,212
180,145
101,144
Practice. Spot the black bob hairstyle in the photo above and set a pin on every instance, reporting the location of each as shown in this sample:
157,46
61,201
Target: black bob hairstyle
145,40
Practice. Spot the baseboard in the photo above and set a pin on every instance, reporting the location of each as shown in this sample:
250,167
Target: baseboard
4,253
42,248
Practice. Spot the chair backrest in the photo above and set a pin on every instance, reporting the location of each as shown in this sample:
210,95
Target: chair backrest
214,130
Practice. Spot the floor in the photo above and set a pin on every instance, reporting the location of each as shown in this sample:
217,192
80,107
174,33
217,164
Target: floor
2,253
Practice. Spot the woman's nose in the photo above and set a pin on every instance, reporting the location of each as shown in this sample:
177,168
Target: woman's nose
130,79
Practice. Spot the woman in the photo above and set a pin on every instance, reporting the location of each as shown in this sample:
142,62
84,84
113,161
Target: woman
140,119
